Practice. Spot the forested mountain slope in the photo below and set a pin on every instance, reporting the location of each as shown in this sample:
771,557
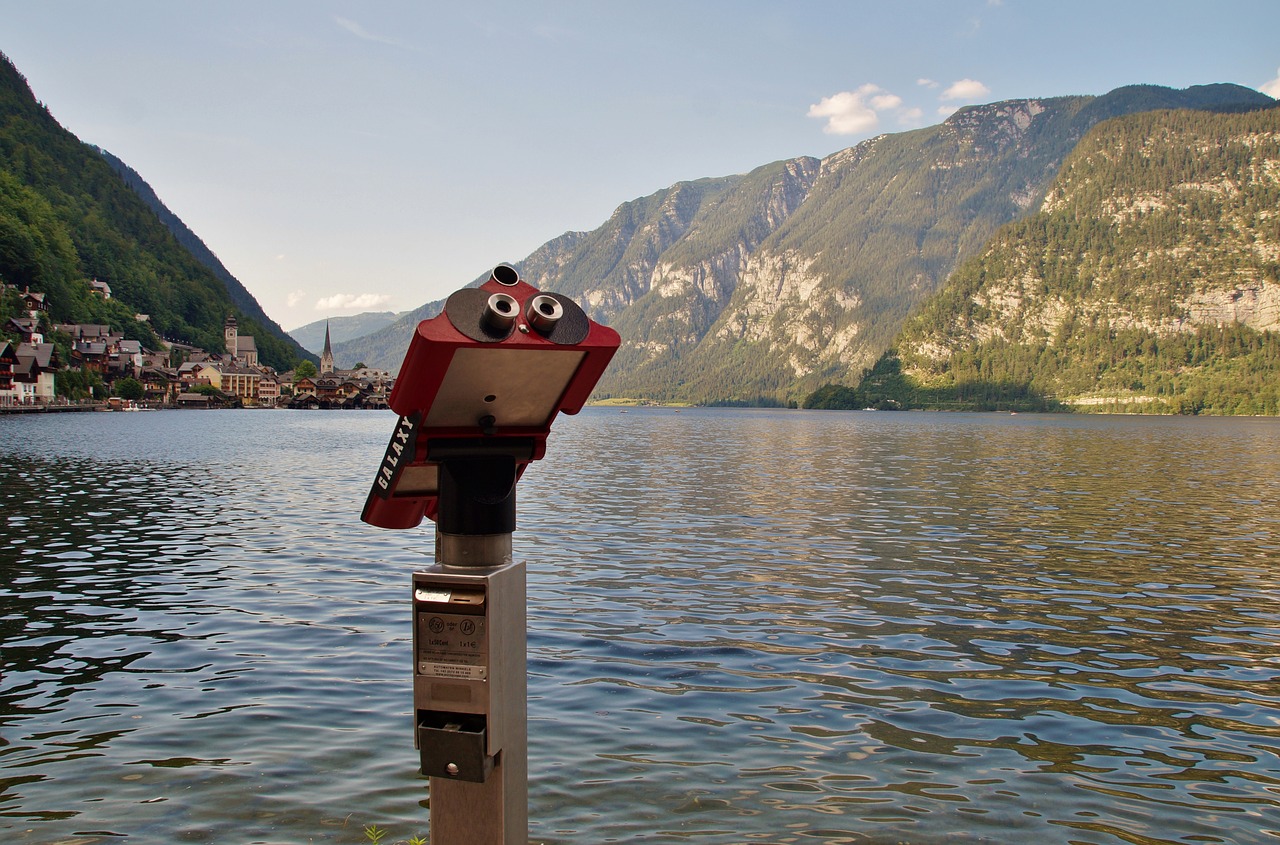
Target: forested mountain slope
758,288
1148,280
66,216
191,242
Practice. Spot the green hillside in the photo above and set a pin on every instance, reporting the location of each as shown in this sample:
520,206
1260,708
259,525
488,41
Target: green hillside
66,216
1149,281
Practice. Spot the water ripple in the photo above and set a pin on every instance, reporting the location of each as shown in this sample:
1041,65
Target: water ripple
745,627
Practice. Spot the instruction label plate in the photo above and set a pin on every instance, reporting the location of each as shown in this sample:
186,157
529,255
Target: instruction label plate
452,645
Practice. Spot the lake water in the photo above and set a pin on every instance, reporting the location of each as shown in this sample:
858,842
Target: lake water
745,627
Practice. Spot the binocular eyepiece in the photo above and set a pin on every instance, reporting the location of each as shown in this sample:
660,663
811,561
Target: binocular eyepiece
501,311
541,314
506,275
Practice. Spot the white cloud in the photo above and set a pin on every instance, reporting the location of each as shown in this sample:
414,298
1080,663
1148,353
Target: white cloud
1272,88
886,102
860,111
295,296
342,301
965,89
855,112
910,117
360,32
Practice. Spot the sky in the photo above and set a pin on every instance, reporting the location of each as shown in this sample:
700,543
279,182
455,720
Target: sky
342,156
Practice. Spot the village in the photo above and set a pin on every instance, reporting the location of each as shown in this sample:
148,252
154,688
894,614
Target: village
117,373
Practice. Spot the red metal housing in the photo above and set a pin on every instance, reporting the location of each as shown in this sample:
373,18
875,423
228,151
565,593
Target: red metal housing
486,376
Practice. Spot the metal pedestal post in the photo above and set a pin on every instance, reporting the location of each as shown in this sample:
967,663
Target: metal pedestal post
470,680
478,390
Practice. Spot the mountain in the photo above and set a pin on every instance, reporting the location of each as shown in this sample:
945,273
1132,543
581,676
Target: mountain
758,288
1148,280
384,349
311,336
66,216
245,301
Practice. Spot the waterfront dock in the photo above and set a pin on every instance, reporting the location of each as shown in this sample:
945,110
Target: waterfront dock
41,408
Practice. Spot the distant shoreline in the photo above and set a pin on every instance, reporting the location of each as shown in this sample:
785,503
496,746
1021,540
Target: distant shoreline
50,409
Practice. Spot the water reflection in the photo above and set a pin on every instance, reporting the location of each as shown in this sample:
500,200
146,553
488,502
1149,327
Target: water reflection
761,627
967,626
186,652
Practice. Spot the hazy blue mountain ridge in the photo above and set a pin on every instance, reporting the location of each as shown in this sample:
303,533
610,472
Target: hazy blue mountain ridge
340,328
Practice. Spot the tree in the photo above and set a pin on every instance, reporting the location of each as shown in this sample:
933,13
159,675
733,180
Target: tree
78,384
305,369
834,397
129,388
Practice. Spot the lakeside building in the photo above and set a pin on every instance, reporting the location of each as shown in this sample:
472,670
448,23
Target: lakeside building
326,355
269,390
160,385
242,348
241,382
180,375
32,362
33,376
342,389
8,360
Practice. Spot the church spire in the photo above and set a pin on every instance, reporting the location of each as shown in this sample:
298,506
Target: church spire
326,357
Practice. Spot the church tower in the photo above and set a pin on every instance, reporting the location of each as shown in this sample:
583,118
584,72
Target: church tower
232,336
326,357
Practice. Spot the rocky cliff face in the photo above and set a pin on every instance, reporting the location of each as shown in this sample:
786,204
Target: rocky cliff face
759,287
854,241
1159,226
763,286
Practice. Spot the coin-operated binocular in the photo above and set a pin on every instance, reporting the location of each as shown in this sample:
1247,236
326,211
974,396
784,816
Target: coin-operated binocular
476,394
478,390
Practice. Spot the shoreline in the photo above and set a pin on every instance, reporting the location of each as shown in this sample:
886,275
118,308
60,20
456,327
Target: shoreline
51,409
